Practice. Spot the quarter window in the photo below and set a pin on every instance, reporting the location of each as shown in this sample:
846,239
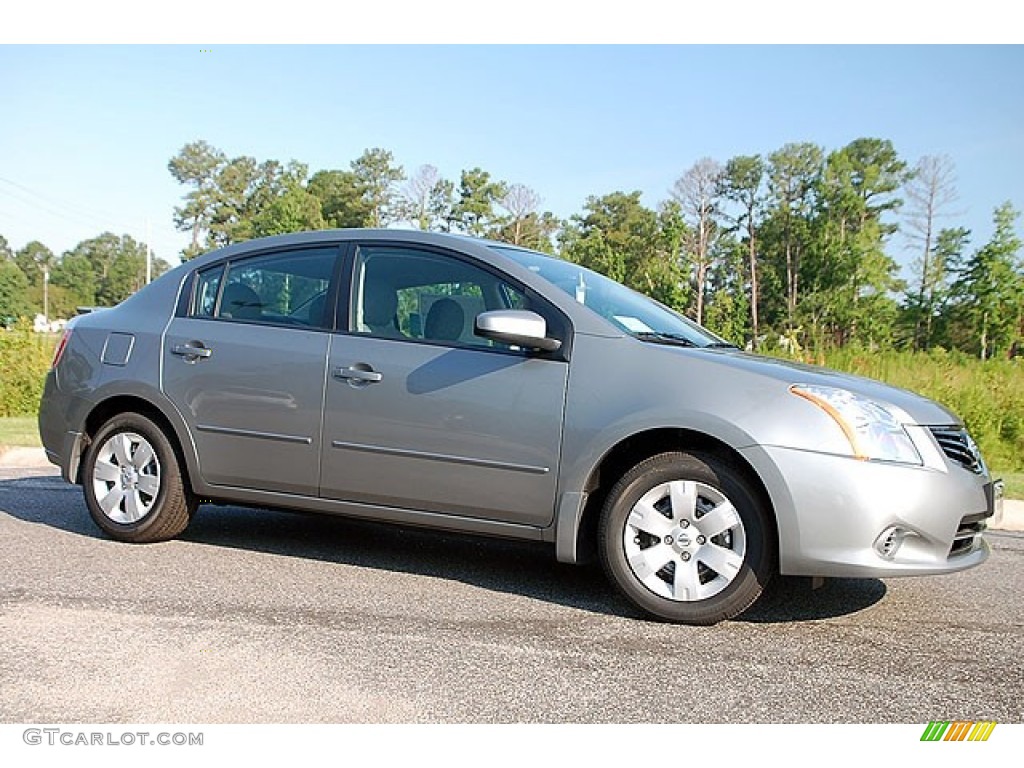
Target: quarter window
207,287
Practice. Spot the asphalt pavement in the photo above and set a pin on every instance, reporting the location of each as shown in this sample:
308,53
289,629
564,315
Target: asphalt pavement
266,616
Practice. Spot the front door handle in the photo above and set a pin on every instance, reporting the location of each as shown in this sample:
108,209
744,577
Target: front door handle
360,372
193,350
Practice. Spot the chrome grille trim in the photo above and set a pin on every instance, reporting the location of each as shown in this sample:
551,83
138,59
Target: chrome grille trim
968,533
958,446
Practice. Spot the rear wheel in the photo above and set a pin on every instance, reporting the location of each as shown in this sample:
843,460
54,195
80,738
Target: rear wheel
133,482
685,538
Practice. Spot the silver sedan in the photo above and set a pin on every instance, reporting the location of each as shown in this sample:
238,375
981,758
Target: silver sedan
474,386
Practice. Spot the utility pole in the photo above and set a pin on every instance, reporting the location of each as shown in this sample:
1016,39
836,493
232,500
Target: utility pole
46,292
149,256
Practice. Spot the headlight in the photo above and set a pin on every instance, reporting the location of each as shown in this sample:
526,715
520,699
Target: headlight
873,431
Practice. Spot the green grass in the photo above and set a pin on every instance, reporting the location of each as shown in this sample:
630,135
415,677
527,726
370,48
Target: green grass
21,431
1014,484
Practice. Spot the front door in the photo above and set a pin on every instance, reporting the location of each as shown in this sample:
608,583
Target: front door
422,414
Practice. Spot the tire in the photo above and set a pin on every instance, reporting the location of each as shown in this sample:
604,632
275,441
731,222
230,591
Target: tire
685,538
133,482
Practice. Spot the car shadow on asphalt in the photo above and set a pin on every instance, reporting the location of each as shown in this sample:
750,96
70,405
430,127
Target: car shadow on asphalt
516,567
793,599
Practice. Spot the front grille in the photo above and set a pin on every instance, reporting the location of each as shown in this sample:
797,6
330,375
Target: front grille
958,446
967,534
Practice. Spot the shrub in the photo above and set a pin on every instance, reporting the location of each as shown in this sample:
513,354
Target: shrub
24,360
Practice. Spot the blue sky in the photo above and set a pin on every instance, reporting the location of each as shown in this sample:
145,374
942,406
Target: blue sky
88,130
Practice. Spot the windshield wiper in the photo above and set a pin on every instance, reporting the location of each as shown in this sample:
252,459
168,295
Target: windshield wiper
665,338
720,345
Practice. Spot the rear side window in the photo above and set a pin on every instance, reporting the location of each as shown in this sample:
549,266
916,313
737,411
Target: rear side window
279,289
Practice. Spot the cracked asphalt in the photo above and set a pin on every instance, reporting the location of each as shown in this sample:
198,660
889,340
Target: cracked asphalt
259,616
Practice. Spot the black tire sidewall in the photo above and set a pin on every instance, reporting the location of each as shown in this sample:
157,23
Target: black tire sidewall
759,561
170,473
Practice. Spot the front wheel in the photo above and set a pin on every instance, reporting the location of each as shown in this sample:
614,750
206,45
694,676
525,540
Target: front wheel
133,481
684,538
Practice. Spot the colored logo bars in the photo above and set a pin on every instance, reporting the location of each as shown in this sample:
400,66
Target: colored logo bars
958,730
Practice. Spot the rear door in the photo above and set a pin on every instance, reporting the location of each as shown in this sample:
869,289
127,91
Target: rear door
421,413
246,366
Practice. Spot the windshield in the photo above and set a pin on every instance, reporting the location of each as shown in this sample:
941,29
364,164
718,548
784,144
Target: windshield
627,310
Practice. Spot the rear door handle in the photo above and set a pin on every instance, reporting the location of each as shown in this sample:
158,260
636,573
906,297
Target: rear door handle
359,372
191,350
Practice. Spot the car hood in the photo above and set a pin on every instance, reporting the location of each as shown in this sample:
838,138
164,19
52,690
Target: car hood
915,408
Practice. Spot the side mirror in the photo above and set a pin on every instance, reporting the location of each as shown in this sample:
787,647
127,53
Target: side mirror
517,327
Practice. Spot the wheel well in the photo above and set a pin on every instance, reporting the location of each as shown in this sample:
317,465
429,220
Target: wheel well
639,447
106,410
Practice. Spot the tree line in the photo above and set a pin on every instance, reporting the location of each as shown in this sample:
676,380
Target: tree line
100,271
785,250
788,249
234,199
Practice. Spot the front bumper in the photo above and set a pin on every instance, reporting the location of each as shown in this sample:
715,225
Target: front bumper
839,516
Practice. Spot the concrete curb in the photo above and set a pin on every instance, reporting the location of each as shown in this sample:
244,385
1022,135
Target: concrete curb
1011,519
23,458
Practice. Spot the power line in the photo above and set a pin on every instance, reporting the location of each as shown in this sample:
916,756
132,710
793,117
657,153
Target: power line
80,214
51,210
73,208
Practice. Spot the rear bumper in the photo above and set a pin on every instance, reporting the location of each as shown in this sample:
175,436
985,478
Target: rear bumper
58,429
842,517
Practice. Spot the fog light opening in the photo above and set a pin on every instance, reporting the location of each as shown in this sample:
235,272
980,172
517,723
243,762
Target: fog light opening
890,541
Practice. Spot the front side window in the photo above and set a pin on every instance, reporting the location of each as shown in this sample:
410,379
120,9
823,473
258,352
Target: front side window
280,289
404,293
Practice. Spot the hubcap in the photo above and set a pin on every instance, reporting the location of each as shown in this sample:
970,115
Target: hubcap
684,541
126,477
